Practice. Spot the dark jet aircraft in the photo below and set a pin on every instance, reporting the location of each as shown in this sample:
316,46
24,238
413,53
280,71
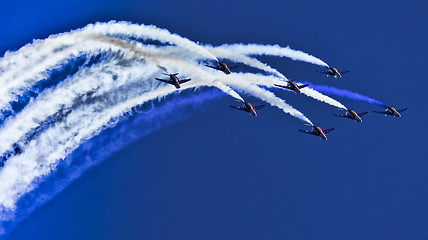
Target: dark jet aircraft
222,67
392,111
173,79
248,107
352,114
334,72
318,131
293,86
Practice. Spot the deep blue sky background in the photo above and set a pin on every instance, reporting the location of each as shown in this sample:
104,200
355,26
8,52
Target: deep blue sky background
231,176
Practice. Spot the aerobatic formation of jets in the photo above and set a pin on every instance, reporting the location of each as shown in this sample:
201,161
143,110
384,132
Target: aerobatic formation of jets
296,88
46,116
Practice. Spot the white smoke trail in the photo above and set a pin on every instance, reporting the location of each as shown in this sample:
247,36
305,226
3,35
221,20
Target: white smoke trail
321,97
226,89
135,48
13,62
19,70
42,154
41,51
273,50
101,147
147,32
223,53
96,80
15,85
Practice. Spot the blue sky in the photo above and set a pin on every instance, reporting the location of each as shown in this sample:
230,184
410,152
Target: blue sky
222,174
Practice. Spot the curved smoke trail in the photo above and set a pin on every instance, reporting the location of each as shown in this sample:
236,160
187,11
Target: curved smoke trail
107,71
271,50
140,122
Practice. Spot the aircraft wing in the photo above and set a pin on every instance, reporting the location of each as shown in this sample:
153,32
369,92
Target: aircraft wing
258,107
402,110
185,80
344,116
362,114
281,86
328,130
303,86
239,108
163,80
217,68
308,132
384,112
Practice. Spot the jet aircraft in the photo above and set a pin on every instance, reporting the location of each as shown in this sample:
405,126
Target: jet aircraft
293,86
222,67
392,111
173,79
318,131
334,72
248,107
352,114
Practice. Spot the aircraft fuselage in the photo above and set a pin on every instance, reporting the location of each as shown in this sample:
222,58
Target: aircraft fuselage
353,114
294,86
224,68
175,81
335,72
320,132
250,109
394,111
